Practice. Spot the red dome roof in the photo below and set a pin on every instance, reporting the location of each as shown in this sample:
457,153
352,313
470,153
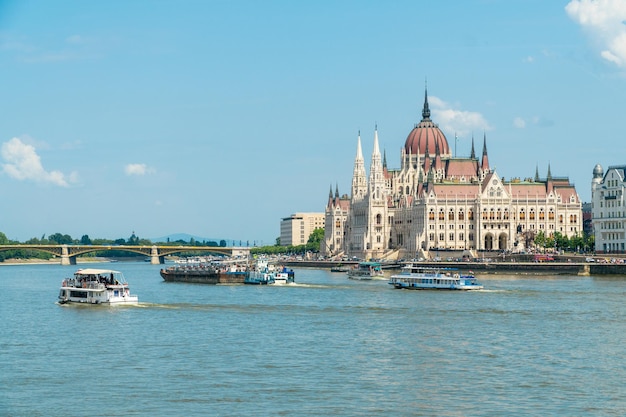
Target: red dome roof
426,135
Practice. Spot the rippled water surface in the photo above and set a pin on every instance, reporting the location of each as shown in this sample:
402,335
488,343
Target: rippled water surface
326,346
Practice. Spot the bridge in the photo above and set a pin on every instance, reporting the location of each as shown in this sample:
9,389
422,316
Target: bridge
157,254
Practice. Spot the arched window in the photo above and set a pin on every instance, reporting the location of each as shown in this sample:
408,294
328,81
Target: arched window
461,215
379,219
451,215
470,215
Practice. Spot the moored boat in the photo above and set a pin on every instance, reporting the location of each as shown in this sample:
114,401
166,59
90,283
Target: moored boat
96,286
416,277
366,271
211,273
265,273
340,268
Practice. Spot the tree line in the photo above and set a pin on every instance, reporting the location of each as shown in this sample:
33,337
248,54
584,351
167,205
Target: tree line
64,239
313,245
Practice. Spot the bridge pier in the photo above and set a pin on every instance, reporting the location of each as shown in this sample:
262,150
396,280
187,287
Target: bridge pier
155,259
66,259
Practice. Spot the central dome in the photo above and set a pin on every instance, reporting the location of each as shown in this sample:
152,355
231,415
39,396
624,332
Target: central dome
426,136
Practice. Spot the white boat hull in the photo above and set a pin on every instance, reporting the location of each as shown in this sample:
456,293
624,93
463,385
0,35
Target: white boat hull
415,277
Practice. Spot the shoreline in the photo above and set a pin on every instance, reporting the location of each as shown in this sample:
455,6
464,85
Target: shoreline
517,268
34,261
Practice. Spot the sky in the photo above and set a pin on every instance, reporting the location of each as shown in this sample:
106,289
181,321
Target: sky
220,118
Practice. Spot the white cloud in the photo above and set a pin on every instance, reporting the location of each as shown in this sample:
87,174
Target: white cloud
603,20
462,122
23,163
138,169
519,123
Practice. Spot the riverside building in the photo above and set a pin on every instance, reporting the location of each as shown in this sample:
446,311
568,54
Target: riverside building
437,201
296,229
608,212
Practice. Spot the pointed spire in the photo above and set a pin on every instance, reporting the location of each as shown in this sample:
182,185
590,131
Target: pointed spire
330,194
549,173
425,110
385,158
376,148
359,152
537,173
473,155
484,144
336,190
484,163
359,179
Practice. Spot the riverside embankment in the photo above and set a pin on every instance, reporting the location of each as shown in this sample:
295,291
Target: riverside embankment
522,268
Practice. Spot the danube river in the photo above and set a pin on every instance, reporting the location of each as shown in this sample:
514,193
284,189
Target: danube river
328,346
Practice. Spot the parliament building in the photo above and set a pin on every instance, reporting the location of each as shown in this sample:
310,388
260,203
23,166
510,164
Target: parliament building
437,201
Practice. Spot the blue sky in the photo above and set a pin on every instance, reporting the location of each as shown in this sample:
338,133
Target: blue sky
164,117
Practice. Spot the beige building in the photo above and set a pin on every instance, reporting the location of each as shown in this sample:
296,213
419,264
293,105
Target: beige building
435,201
296,229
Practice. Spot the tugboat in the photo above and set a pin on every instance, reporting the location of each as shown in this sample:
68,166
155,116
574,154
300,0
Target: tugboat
96,286
266,274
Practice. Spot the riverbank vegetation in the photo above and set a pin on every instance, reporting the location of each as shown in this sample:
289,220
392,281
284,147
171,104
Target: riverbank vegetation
313,245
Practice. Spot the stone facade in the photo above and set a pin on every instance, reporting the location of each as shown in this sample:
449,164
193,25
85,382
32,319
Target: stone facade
437,201
608,212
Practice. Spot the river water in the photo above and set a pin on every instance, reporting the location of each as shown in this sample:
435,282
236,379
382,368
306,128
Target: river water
524,346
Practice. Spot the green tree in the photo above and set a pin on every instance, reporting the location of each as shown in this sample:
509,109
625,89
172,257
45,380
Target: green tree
85,240
540,239
3,239
315,239
59,239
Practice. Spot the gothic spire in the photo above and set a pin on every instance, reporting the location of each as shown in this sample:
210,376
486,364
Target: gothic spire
376,148
484,144
473,155
484,163
425,110
537,173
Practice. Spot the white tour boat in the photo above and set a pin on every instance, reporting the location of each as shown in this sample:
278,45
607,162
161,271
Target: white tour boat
366,271
96,286
416,277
